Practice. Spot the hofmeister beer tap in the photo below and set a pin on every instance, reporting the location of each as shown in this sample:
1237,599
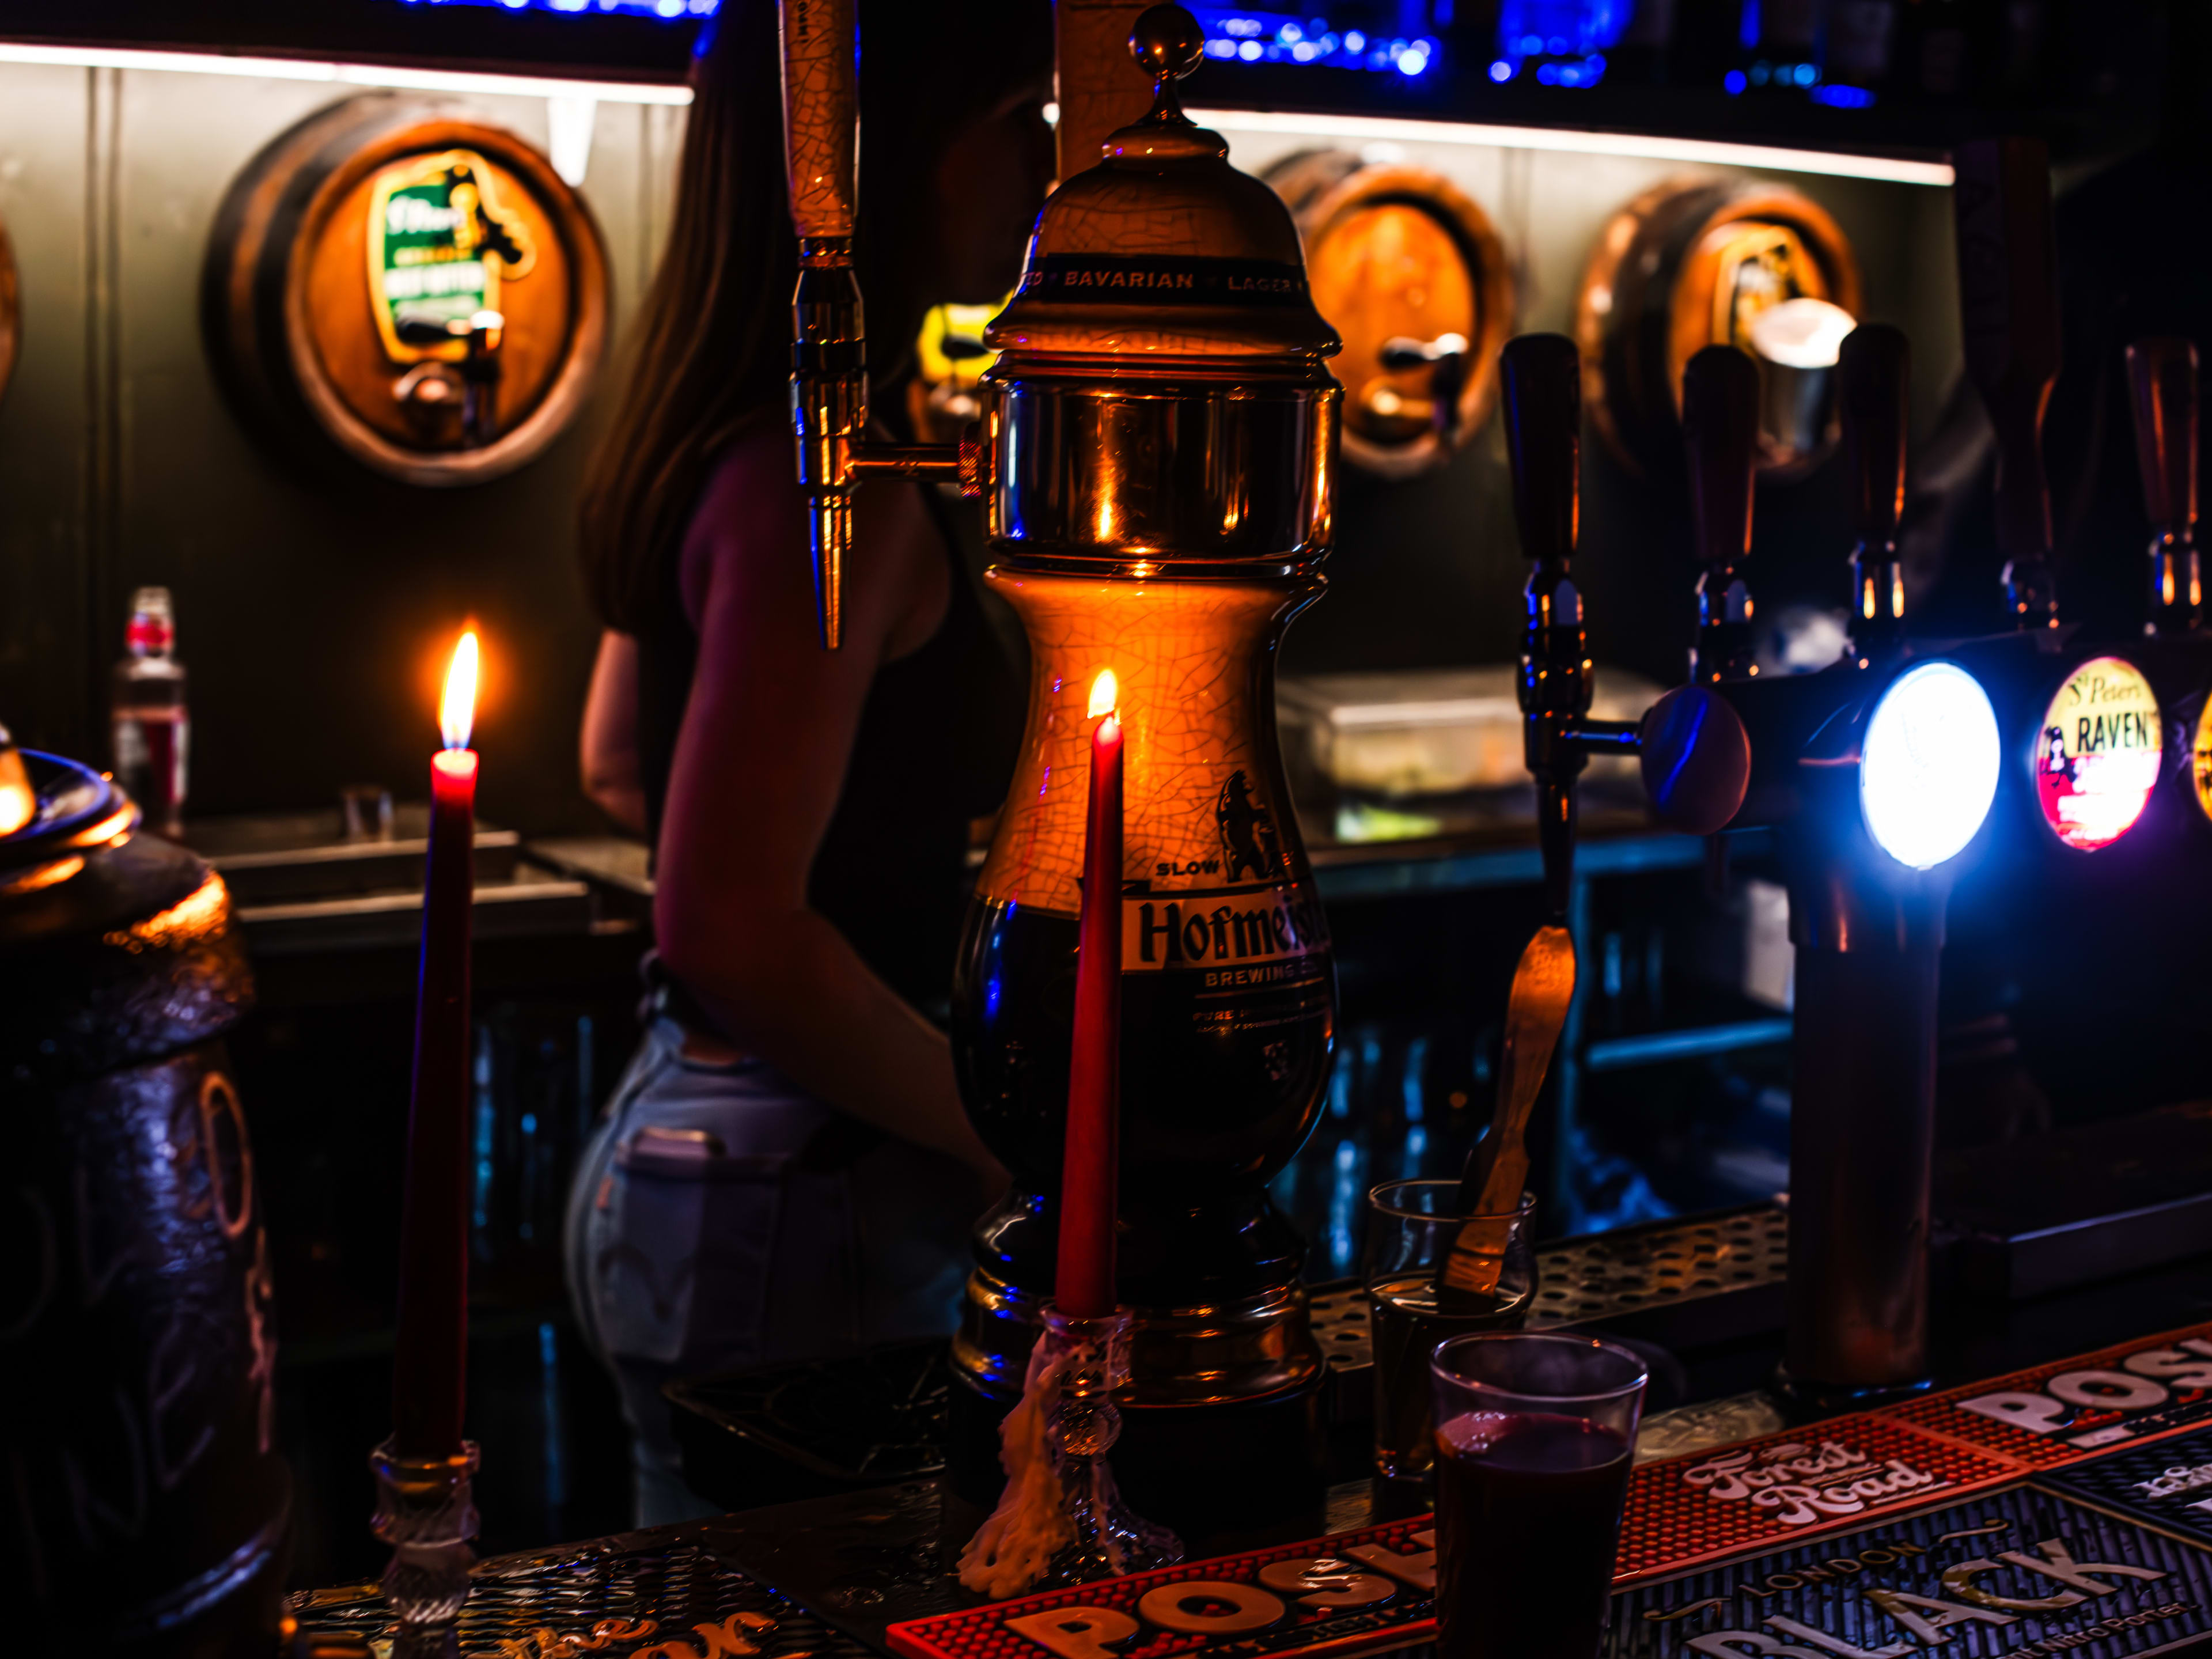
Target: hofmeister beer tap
1158,452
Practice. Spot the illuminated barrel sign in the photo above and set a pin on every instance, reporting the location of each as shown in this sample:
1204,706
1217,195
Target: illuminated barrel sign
1409,271
1689,264
400,283
2097,756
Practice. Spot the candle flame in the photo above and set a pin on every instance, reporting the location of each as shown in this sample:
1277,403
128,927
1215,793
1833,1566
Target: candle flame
457,710
1105,694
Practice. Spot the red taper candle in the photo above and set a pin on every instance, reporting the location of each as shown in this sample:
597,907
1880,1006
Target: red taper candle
1084,1287
429,1376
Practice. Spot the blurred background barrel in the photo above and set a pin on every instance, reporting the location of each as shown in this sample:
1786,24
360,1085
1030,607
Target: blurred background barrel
142,1505
1410,271
1694,263
348,245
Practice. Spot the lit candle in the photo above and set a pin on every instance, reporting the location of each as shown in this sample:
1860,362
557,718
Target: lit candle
430,1374
1084,1285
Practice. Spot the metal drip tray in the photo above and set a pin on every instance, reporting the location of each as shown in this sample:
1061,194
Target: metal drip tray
1612,1275
1680,1284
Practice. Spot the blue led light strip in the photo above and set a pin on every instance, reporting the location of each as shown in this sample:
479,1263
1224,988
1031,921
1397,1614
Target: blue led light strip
1268,37
674,10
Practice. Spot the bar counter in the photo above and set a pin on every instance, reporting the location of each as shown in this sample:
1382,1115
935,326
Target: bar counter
2091,1429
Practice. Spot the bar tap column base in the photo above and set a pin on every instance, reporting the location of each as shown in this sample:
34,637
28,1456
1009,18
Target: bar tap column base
426,1510
1862,1137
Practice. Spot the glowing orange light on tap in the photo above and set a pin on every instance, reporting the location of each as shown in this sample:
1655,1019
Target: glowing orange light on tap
457,707
1105,694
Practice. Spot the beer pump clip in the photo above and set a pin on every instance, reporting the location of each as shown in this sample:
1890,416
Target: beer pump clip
1690,745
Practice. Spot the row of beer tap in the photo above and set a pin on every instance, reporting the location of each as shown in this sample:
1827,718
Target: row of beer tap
1879,775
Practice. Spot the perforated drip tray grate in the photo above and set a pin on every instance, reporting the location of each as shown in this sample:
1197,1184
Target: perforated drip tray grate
1678,1283
1612,1274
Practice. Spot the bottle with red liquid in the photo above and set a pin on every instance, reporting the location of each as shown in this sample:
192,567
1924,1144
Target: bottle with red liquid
153,729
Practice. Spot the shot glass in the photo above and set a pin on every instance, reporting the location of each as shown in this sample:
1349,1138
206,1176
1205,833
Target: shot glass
1411,1226
1534,1437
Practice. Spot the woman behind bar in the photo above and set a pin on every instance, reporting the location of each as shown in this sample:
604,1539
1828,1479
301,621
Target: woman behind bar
785,1171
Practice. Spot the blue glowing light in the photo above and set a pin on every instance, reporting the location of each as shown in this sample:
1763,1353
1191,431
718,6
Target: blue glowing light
1928,765
1734,81
1840,97
1571,36
668,10
1255,37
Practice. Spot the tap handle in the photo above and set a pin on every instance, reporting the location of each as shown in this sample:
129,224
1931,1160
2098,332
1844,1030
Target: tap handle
1543,397
1720,427
1872,384
2162,373
821,114
2008,298
1695,757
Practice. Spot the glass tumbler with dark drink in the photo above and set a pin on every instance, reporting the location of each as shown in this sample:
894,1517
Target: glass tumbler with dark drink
1534,1440
1411,1227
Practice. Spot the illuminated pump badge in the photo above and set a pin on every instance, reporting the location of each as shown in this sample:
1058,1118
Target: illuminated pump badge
2200,759
2096,758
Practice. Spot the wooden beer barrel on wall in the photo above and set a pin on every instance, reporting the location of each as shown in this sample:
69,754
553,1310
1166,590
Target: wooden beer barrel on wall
1410,273
1690,264
350,242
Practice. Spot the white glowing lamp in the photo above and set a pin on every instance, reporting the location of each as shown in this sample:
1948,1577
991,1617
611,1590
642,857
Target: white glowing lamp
1928,769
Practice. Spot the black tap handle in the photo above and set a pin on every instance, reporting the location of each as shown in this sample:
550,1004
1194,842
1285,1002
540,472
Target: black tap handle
1873,386
1543,396
1543,442
2162,373
2008,300
1873,380
1720,427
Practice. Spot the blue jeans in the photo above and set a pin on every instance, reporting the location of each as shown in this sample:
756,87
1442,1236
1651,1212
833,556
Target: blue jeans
794,1233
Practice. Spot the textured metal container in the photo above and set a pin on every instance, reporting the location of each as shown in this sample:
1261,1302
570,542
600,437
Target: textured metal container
143,1506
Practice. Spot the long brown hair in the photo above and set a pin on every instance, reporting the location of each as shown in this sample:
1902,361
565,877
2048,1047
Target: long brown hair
712,351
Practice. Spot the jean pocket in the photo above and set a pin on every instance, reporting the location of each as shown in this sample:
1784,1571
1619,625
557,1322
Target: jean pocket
663,1230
